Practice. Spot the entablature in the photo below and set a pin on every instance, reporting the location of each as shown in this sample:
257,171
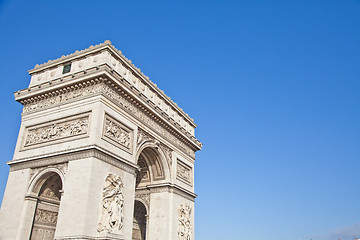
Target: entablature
51,73
102,80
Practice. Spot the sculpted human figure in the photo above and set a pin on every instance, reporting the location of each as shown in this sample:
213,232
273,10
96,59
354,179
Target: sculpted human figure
184,232
111,218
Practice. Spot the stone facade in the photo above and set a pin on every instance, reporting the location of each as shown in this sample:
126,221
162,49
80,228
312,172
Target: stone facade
102,153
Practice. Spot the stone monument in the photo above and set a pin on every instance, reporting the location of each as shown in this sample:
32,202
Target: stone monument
102,153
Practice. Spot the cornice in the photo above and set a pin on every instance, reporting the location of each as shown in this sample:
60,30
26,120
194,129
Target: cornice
168,187
73,154
118,54
93,77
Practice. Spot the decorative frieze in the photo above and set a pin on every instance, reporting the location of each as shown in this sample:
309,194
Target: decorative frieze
75,154
128,106
112,205
109,55
185,228
117,133
63,95
57,130
98,87
183,172
161,189
46,216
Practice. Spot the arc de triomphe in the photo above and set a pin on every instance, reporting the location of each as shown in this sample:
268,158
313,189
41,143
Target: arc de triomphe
102,153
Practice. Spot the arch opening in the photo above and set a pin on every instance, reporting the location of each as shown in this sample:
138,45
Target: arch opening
139,221
48,191
151,167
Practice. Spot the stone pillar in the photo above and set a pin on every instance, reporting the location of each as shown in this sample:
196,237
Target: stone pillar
81,204
13,211
27,217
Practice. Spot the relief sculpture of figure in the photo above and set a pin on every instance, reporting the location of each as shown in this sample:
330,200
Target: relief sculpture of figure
184,232
116,133
111,218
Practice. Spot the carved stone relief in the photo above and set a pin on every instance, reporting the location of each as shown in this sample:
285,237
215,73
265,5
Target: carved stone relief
45,216
51,189
183,172
145,196
65,95
143,177
62,167
143,117
142,136
57,130
185,228
62,95
112,205
118,133
168,154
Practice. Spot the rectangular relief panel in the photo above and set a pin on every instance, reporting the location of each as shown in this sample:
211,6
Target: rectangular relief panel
118,134
183,172
56,131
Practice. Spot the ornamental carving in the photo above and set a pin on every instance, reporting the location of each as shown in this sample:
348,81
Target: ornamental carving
183,172
118,133
62,167
143,196
57,130
144,118
168,153
66,95
112,205
45,216
184,232
62,95
49,193
142,136
64,156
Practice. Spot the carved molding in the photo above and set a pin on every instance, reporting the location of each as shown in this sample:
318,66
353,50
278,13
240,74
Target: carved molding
160,189
168,153
118,96
142,116
63,167
112,206
142,136
117,133
70,156
171,188
183,172
84,237
190,197
63,95
185,227
143,195
57,130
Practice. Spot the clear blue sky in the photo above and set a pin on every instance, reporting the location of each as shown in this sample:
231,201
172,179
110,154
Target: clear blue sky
274,87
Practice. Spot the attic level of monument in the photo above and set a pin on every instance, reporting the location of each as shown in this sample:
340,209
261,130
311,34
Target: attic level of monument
117,61
102,69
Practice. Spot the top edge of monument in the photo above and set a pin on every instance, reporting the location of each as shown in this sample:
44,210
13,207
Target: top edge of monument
107,44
